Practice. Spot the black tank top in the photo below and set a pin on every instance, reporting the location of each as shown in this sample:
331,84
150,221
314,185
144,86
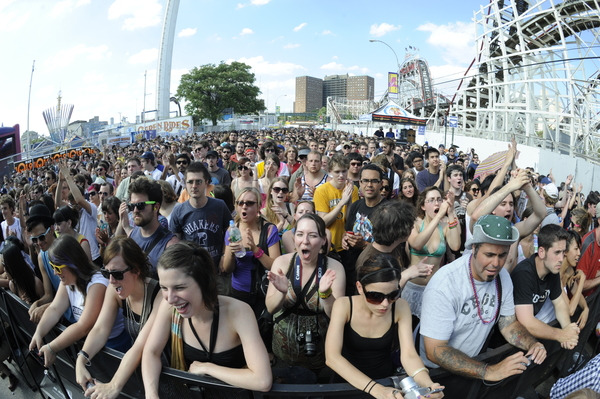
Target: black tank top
372,356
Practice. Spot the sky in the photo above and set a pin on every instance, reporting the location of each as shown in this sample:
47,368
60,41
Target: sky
96,52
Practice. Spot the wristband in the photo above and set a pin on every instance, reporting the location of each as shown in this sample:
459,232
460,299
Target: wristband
51,350
326,294
259,253
85,356
418,371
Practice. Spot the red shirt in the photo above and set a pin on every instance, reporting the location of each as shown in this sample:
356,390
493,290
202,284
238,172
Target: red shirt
589,262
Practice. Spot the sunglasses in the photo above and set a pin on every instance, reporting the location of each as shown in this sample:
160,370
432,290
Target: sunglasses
269,150
355,163
102,193
244,167
376,298
116,274
57,268
475,190
139,205
182,162
284,190
41,237
387,188
246,203
100,170
226,152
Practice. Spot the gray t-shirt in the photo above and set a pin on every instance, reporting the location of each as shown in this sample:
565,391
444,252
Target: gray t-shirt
449,311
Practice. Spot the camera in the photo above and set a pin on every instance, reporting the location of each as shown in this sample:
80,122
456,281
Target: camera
309,339
411,390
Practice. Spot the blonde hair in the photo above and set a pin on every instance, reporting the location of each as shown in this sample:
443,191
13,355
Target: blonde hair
242,192
270,215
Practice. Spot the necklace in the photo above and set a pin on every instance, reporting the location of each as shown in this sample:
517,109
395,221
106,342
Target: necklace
134,327
477,298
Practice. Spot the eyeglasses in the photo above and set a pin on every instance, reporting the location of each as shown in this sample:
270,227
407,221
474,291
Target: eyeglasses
376,298
433,200
102,193
182,162
284,190
355,163
139,205
246,203
116,274
92,193
302,156
57,268
370,181
387,188
197,181
41,237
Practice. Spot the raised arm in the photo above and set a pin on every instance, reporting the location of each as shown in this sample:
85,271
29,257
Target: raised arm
527,226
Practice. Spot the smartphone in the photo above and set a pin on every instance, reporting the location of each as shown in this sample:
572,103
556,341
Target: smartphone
435,391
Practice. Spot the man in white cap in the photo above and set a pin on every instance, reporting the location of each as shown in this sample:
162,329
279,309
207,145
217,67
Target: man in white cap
462,303
550,197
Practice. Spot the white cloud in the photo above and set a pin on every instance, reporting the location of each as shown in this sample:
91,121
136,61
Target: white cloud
327,32
291,45
138,13
332,66
253,3
81,52
246,31
456,40
299,27
11,20
144,57
187,32
382,29
66,6
262,67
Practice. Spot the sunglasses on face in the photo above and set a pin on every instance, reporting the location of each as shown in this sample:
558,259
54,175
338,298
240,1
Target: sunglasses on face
100,170
284,190
244,167
226,152
269,150
376,298
139,205
102,193
475,189
41,237
92,193
387,188
182,162
116,274
355,163
246,203
57,268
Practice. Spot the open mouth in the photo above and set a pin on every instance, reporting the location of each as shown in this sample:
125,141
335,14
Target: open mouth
182,308
436,210
243,214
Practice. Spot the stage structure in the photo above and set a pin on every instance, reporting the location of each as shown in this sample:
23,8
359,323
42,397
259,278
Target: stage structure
536,75
57,120
163,77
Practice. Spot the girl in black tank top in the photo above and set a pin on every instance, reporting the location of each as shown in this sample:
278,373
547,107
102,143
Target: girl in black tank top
365,330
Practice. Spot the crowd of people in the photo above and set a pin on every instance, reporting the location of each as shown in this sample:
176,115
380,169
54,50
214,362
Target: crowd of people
299,256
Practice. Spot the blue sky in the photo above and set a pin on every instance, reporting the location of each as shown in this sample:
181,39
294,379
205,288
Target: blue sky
96,51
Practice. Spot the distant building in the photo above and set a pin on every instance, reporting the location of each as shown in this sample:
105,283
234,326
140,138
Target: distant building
309,94
312,93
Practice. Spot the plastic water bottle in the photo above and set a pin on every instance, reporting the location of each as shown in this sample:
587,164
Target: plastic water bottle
235,235
535,243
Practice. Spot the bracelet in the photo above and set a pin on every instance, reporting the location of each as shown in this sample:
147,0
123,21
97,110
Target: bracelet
326,294
453,224
418,371
369,391
368,383
259,253
51,350
85,356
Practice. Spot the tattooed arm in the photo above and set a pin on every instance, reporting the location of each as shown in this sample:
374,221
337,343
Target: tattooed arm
516,334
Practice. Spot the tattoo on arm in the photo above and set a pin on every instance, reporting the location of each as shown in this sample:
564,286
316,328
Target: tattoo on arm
458,362
515,333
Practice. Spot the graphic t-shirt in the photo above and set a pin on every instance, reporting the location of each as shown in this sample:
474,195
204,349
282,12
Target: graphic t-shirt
530,289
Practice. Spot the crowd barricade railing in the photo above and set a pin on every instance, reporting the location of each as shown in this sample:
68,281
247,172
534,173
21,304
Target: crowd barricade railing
175,383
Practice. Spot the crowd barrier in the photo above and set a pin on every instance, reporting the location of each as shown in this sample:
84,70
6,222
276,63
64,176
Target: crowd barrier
59,381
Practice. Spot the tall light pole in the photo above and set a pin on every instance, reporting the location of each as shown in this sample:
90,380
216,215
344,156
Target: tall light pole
390,47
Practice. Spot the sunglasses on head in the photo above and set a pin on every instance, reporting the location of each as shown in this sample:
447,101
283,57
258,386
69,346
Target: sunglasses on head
246,203
57,268
41,237
376,298
116,274
284,190
139,205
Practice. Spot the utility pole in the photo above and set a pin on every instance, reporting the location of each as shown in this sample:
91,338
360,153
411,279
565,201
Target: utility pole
28,106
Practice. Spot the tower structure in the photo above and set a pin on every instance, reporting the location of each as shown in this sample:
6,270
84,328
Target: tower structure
57,119
163,77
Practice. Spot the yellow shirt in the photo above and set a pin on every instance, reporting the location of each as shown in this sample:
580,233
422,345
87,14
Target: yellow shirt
326,198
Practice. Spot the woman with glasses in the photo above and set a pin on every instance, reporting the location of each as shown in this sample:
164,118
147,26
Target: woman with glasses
133,294
93,194
435,228
278,209
246,176
472,187
260,244
408,191
81,289
189,318
65,220
370,334
386,189
302,288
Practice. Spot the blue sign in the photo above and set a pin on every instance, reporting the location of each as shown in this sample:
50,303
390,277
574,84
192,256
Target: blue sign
453,121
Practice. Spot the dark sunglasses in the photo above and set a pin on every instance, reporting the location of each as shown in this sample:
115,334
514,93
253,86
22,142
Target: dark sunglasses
475,189
41,237
139,205
100,170
244,167
117,274
182,162
269,150
284,190
376,298
247,203
387,188
92,193
226,152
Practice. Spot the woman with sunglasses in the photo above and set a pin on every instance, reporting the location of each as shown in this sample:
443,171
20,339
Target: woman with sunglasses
435,228
260,241
189,318
362,332
246,177
278,209
472,187
65,220
81,289
386,189
302,288
408,191
133,294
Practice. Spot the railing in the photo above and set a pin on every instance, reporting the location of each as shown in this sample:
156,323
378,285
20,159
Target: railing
59,381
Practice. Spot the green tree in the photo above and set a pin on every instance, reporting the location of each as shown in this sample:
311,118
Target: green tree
210,89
